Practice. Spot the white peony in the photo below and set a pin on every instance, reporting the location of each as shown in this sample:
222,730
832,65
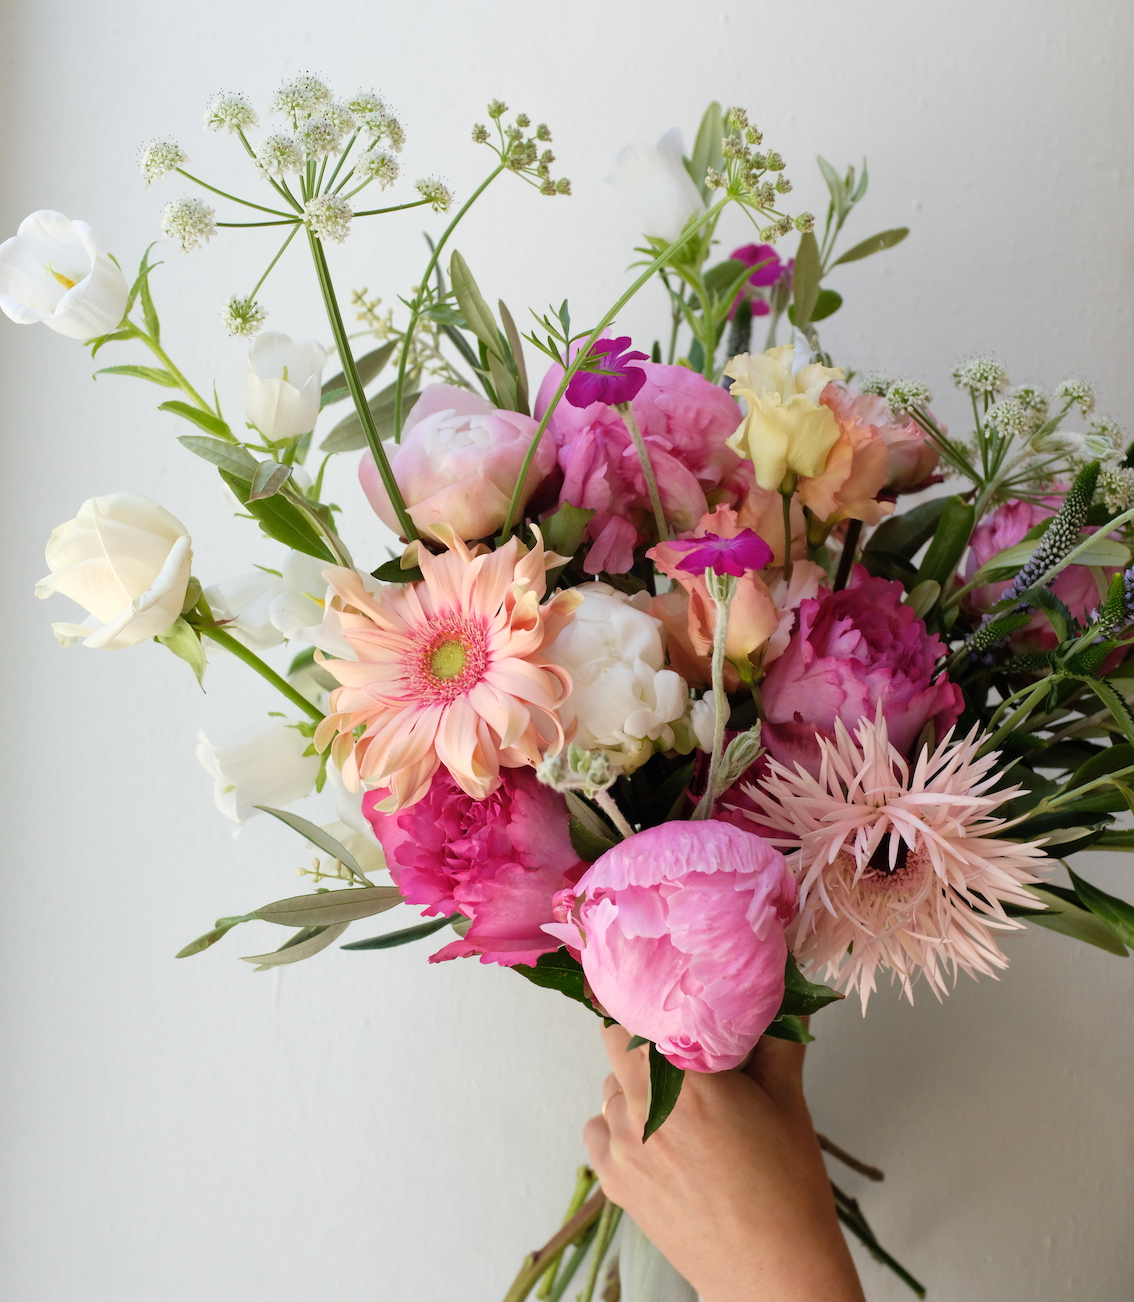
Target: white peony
624,700
262,766
655,179
126,560
51,271
282,388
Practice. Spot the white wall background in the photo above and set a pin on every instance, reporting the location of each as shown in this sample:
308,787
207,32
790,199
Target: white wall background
365,1126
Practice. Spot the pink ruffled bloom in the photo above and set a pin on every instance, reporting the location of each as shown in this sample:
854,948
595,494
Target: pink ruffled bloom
912,457
458,463
851,652
1005,527
449,672
680,931
499,861
685,422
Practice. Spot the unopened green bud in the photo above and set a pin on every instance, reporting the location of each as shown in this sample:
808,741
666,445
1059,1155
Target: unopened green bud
522,120
805,222
496,109
480,134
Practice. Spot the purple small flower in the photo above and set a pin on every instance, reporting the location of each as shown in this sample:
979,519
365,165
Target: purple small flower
764,276
747,551
621,381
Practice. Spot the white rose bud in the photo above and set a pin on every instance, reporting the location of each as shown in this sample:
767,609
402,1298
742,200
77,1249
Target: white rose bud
52,271
281,393
126,560
263,766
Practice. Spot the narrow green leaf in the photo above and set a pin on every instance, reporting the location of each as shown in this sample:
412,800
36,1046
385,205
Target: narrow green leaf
329,398
516,343
835,185
231,457
665,1087
803,997
558,971
477,313
1117,704
154,374
392,939
116,337
636,1042
1069,919
223,927
923,597
349,436
790,1028
329,907
585,843
863,182
280,520
270,477
1106,761
950,539
904,535
369,367
591,819
827,304
203,419
1116,913
299,947
875,244
149,312
316,835
805,278
707,152
392,572
1120,840
184,641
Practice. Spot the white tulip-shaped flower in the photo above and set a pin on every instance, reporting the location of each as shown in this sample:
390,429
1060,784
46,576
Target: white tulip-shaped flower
281,393
302,612
623,699
247,602
263,766
656,181
52,271
126,560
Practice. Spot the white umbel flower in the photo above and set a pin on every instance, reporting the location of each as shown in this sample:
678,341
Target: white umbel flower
328,217
189,221
377,165
159,157
319,136
228,112
242,317
278,155
439,195
301,97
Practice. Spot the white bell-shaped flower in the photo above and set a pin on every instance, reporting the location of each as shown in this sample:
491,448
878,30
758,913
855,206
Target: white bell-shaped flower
281,392
655,180
262,766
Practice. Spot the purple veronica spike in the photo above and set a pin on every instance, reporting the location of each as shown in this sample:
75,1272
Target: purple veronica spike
747,551
620,386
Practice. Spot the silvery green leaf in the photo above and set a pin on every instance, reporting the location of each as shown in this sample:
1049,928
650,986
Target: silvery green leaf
330,907
154,374
223,927
834,184
923,597
707,152
232,457
1070,920
316,835
270,477
805,279
293,952
875,244
1102,551
1115,912
368,367
348,435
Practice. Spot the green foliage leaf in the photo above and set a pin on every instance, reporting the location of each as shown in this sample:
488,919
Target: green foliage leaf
564,530
1116,913
155,374
1120,840
1116,703
316,835
585,843
802,997
558,971
329,907
516,343
304,944
826,304
1067,916
805,279
392,572
223,927
183,640
117,337
496,355
203,419
349,436
665,1087
280,520
1106,761
231,457
949,541
707,152
392,939
790,1028
369,367
834,184
591,819
875,244
903,535
270,477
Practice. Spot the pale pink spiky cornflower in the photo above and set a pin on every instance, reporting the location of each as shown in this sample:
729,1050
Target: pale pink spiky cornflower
897,869
448,672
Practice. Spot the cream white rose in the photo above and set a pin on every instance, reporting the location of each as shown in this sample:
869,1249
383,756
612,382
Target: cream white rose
262,766
624,700
51,270
281,392
126,560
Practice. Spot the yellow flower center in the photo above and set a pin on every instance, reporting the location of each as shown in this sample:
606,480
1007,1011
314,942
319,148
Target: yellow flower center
65,281
448,659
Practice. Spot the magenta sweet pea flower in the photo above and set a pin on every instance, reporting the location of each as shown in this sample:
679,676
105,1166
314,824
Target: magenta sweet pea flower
747,551
680,931
620,385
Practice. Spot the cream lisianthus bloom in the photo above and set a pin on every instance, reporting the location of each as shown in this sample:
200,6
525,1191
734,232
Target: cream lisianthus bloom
281,392
786,431
126,560
51,270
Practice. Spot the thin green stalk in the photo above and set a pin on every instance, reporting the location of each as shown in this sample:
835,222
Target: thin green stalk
584,1183
224,194
608,1223
1051,803
568,374
398,207
276,259
287,221
1017,717
160,353
280,188
415,310
342,160
573,1263
720,697
266,672
357,392
626,411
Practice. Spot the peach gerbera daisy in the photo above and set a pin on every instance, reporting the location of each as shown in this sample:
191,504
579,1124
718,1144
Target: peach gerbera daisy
897,869
448,672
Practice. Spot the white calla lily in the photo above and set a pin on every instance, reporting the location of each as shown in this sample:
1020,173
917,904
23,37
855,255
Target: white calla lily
263,766
655,179
127,561
282,389
51,271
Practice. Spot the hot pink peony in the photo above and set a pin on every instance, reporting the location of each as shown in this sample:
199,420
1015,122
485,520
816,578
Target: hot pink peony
458,463
850,651
684,420
681,935
499,861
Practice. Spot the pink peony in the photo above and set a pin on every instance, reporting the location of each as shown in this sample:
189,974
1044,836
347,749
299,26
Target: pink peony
850,651
458,463
1005,527
681,935
684,420
499,861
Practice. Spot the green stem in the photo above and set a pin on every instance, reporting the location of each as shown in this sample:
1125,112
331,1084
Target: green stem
279,188
569,373
276,259
626,411
160,353
720,701
415,310
253,661
398,207
287,221
608,1223
584,1183
1017,717
225,195
357,392
606,803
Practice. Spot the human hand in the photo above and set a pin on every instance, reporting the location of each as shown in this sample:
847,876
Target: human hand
732,1188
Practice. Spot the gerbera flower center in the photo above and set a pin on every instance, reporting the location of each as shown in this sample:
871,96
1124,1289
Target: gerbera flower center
448,658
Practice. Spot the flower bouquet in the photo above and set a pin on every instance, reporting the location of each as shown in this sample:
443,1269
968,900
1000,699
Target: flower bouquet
650,687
